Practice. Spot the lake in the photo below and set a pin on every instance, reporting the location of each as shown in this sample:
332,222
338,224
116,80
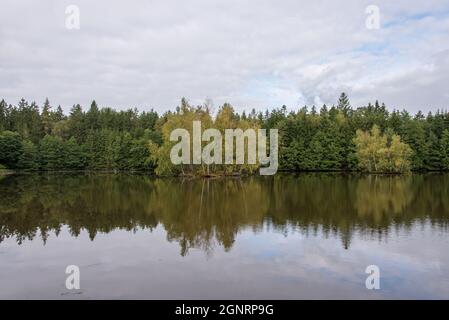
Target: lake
282,237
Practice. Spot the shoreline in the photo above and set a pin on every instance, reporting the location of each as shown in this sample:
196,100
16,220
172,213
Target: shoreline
8,172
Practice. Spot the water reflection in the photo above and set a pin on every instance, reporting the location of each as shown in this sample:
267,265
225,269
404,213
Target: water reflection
204,213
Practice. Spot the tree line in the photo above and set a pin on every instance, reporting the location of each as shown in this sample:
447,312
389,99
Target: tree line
369,138
34,139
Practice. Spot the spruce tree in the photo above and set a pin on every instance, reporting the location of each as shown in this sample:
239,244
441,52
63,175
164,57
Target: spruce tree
46,117
92,117
3,115
58,115
74,155
29,156
10,149
343,103
433,153
444,149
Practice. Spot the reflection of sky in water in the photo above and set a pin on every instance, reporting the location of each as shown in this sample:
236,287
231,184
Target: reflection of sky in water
262,264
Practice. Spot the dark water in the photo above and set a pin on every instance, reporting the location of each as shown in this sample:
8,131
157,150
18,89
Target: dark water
303,236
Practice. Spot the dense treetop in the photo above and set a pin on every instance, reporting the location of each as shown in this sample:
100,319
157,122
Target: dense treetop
340,137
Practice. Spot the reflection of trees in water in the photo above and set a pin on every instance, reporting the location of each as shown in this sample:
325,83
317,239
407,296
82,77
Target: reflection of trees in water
201,213
196,212
380,196
97,204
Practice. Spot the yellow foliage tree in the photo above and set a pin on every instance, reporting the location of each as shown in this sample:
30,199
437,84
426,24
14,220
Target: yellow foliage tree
377,152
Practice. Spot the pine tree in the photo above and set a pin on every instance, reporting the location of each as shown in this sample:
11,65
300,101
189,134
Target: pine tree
3,115
444,149
343,103
29,157
46,117
11,148
92,117
433,153
76,125
52,153
22,119
317,151
74,155
413,134
58,115
36,128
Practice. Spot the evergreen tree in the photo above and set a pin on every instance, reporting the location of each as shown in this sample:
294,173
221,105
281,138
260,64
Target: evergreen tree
444,149
76,124
10,149
3,115
432,159
21,119
414,135
74,155
29,156
36,128
58,115
343,103
47,120
52,153
138,156
92,117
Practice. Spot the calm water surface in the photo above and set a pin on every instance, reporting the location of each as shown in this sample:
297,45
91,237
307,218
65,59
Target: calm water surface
288,236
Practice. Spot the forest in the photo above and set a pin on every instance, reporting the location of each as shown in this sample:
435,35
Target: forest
332,138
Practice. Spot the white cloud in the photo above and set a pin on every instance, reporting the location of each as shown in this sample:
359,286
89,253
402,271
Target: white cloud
151,54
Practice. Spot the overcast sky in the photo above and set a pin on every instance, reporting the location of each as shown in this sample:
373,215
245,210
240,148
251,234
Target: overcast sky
261,54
